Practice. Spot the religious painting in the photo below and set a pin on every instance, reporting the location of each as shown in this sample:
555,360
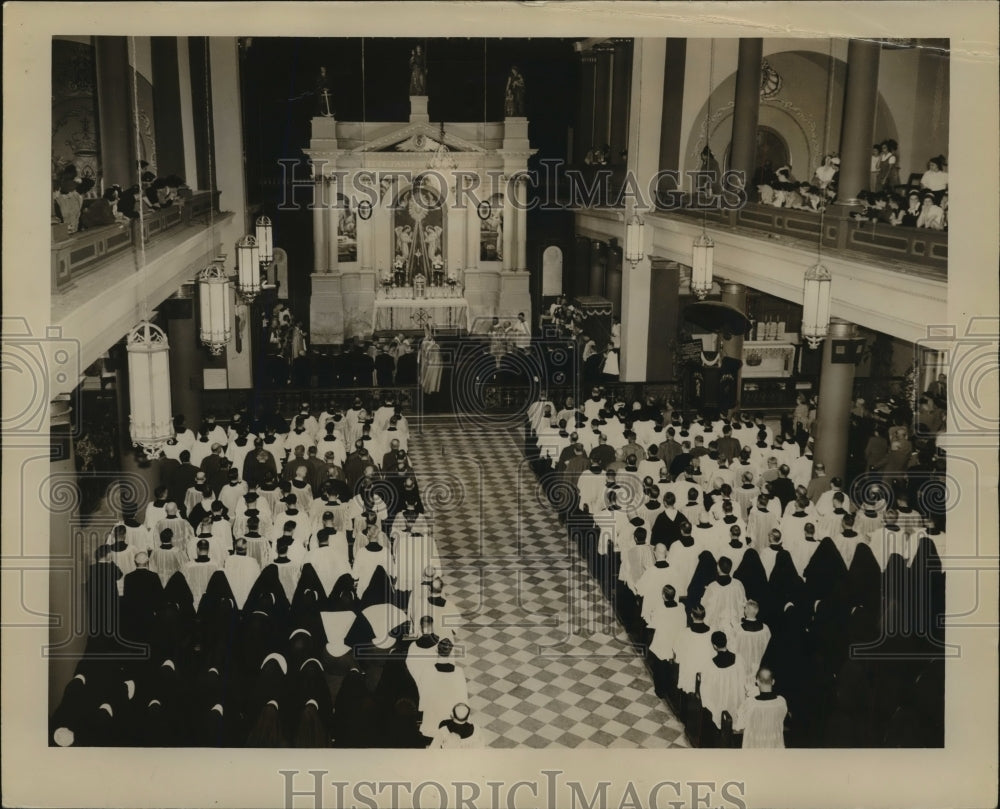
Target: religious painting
491,230
347,232
418,234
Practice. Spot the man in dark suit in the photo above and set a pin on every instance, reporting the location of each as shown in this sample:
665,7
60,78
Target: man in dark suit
183,478
102,594
782,487
140,600
727,446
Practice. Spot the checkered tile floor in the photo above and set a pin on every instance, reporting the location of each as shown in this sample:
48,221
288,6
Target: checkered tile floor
548,664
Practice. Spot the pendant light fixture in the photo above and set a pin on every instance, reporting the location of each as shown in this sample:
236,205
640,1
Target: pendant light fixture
248,269
215,308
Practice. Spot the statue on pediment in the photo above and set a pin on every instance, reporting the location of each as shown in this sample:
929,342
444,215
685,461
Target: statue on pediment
418,72
513,106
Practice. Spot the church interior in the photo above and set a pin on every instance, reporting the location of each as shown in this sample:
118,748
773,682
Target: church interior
498,392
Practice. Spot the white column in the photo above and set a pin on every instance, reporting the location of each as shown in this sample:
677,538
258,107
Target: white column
521,247
643,160
187,111
509,226
471,235
319,226
332,223
226,118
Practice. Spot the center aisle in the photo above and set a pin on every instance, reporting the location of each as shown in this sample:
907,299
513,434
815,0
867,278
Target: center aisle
547,663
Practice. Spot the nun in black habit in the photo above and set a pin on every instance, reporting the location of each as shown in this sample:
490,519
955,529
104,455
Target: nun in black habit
751,575
864,580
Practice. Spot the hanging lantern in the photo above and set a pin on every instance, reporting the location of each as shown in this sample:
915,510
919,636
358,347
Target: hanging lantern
248,268
265,239
702,261
816,305
635,240
150,419
215,307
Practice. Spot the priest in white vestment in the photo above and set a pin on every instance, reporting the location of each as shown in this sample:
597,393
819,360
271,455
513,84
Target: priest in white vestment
241,572
724,682
762,718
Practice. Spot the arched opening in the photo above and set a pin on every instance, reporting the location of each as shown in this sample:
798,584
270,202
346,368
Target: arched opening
772,153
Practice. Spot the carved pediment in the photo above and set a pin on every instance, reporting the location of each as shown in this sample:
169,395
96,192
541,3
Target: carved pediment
418,137
418,143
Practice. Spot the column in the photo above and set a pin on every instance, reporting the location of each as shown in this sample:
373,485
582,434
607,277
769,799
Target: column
167,100
319,226
332,224
509,226
613,279
598,266
114,104
521,214
646,108
190,172
735,295
673,100
621,74
580,284
227,133
746,110
602,95
836,384
661,344
856,132
186,370
583,140
472,235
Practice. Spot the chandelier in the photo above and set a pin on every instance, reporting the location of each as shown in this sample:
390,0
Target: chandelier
702,261
265,239
248,268
150,420
215,308
816,305
635,239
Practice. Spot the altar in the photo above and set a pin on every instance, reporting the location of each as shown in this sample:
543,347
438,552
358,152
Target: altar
396,202
404,314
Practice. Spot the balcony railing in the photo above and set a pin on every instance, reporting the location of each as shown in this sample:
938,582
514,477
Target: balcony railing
922,248
73,256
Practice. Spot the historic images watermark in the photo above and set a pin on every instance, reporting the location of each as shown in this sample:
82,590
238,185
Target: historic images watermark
313,788
557,187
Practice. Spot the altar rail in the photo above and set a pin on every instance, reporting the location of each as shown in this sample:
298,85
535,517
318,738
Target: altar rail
918,246
73,256
286,401
495,398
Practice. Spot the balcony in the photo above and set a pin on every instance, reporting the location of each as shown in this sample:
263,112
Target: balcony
76,255
892,280
916,250
113,287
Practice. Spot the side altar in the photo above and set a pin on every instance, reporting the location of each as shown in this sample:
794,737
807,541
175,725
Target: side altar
417,224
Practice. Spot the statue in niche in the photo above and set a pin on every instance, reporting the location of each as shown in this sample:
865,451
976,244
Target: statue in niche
418,72
514,94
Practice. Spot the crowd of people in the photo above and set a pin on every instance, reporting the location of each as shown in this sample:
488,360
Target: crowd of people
754,580
77,204
884,201
280,589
